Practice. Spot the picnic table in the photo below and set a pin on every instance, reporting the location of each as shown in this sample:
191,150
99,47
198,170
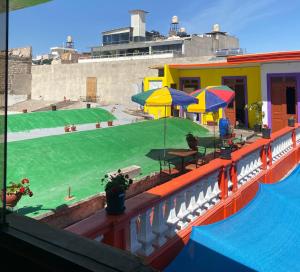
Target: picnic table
182,154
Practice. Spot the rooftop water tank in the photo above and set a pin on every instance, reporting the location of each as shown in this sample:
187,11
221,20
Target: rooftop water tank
216,28
175,20
69,39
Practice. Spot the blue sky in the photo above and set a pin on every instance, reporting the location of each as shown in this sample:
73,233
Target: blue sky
261,25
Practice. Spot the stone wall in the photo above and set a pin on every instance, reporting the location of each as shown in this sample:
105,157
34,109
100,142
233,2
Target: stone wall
19,75
117,81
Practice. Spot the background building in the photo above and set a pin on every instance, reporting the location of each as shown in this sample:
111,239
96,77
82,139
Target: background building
136,40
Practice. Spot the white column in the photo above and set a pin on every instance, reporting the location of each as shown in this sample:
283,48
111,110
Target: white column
170,216
181,210
145,237
159,226
133,244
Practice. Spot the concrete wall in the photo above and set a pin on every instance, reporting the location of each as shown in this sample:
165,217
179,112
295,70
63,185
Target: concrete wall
117,81
276,68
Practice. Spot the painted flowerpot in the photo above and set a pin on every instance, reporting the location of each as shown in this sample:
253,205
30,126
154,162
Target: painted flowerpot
53,107
88,105
225,152
12,199
115,203
266,133
291,122
98,125
110,123
257,128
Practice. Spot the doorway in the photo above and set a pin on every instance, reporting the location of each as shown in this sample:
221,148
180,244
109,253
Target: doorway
189,84
235,111
91,89
283,100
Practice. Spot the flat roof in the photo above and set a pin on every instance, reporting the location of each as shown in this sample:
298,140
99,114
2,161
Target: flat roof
245,60
137,11
116,30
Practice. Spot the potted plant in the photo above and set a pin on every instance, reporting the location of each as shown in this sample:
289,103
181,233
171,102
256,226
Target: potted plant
24,110
53,107
226,150
192,141
88,105
98,125
73,127
291,122
115,188
15,191
259,114
110,123
266,132
67,128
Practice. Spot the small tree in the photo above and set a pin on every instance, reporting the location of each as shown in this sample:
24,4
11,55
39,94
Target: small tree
257,108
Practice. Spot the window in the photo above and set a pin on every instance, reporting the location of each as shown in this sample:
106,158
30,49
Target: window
290,100
161,72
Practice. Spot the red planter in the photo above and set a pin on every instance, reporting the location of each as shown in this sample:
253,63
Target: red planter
25,111
12,199
73,128
110,123
67,129
98,125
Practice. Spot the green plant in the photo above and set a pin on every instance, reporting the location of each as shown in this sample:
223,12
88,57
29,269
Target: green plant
116,183
21,188
256,107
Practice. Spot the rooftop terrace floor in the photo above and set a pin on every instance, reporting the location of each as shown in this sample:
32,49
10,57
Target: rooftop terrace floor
81,159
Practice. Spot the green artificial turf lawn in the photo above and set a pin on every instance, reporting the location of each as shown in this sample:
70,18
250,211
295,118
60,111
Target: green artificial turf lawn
59,118
81,159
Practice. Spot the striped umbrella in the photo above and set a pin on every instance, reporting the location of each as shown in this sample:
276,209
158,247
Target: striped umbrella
211,99
164,97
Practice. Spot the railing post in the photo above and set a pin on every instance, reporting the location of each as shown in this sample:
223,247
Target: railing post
263,157
270,154
233,176
223,183
294,138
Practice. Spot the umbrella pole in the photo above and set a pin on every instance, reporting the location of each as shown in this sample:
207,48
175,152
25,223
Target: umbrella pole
165,131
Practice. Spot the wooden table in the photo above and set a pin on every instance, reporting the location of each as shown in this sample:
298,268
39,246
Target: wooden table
183,153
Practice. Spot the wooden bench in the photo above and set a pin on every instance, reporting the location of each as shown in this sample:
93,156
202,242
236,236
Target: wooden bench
132,171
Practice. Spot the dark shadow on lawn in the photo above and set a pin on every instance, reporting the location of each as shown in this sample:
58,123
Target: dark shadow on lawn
158,154
35,210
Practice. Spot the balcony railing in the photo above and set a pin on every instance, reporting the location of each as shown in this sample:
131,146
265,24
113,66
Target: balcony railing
165,214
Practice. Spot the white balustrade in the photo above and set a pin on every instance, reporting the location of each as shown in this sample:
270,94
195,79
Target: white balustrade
282,146
298,136
159,226
145,236
181,210
248,167
170,216
133,245
192,204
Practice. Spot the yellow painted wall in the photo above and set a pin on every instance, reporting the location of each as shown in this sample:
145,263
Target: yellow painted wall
157,112
209,77
213,76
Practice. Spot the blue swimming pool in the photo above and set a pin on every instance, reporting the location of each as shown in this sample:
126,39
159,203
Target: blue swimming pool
263,236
